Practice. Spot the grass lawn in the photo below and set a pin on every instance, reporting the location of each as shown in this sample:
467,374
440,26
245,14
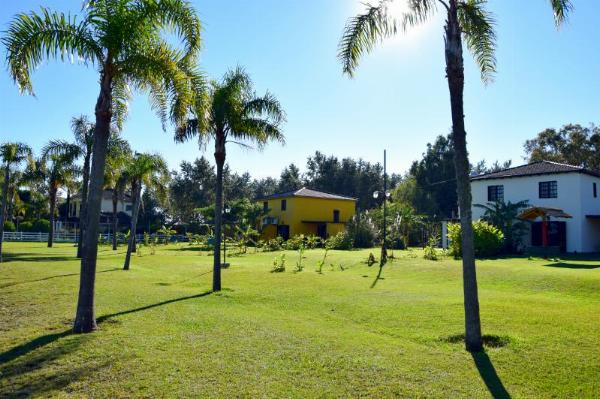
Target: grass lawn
162,334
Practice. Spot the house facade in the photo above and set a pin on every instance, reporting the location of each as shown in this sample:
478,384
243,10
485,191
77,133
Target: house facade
574,190
124,204
305,211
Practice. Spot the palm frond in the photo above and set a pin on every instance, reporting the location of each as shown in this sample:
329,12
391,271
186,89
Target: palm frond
15,152
561,9
121,96
33,37
478,29
61,148
180,17
157,71
362,33
267,105
83,130
419,12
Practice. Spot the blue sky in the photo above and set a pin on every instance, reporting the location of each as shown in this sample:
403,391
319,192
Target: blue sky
398,99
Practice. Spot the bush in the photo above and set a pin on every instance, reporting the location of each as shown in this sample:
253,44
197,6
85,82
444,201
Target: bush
341,240
26,226
274,244
430,250
35,226
9,226
362,231
488,239
294,243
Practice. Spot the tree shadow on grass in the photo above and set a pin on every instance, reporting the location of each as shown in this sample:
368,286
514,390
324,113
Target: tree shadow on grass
166,284
484,365
566,265
44,340
489,375
33,257
42,373
52,277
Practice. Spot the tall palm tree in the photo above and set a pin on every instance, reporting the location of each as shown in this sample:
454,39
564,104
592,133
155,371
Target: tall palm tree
145,170
126,40
231,112
59,170
119,153
466,20
83,130
12,154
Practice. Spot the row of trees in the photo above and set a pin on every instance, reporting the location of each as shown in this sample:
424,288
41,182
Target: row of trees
130,44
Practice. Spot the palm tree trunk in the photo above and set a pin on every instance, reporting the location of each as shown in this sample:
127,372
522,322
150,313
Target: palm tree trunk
4,201
220,161
136,194
115,220
53,191
68,205
85,320
456,79
83,210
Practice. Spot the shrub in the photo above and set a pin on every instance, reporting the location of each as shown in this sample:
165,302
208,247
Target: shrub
362,231
430,250
278,264
371,259
294,243
26,226
36,226
488,239
274,244
9,226
341,240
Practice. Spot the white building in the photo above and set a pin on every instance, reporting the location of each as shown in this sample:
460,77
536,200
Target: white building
124,205
574,190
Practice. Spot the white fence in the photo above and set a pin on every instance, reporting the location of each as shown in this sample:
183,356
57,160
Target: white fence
72,237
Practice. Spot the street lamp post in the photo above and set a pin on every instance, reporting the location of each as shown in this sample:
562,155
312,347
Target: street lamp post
384,195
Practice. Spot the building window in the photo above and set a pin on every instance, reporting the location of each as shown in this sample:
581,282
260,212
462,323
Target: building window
595,191
495,193
265,206
336,216
283,205
548,189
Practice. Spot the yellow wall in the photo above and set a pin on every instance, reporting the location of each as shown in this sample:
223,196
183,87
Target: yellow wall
308,209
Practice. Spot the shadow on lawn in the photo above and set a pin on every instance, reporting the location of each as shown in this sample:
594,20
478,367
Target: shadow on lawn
484,365
566,265
44,340
489,375
51,277
33,257
40,374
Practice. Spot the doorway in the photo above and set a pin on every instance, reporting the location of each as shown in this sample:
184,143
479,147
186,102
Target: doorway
283,231
557,235
322,230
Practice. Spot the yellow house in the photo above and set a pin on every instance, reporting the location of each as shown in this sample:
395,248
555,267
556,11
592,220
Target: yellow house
305,211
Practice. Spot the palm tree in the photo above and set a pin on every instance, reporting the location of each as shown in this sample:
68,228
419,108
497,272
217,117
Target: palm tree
126,41
145,170
504,215
466,20
119,153
12,154
231,112
83,130
60,173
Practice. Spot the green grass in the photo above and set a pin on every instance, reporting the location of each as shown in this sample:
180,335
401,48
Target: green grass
162,334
